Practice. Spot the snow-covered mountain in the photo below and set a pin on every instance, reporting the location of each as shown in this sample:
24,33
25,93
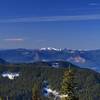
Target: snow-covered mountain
82,58
50,48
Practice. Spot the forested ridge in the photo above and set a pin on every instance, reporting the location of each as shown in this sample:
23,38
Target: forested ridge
32,76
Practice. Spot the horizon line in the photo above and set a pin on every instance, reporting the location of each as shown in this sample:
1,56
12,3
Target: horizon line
49,47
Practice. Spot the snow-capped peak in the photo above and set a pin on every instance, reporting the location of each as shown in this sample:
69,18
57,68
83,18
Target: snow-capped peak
50,48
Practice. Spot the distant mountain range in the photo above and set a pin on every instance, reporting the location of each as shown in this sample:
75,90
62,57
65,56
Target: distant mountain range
82,58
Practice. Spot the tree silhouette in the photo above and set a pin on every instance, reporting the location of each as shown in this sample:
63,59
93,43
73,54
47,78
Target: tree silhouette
35,92
68,86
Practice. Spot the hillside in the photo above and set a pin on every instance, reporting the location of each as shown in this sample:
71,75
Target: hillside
85,59
2,61
88,81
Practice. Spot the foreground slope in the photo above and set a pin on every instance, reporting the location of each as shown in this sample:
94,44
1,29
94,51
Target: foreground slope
88,81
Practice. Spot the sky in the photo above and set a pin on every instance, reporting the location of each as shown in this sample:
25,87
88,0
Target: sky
34,24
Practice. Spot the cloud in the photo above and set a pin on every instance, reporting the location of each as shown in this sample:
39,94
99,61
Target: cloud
93,4
53,18
14,39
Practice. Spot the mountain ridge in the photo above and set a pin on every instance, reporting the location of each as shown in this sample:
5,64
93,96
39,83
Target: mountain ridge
82,58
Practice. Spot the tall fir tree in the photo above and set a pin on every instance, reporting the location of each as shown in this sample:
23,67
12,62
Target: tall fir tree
0,98
68,86
36,92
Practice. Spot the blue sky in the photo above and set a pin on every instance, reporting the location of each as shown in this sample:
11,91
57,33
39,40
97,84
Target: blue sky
50,23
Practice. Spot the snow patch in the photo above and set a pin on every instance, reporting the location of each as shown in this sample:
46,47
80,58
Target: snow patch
48,91
10,75
77,59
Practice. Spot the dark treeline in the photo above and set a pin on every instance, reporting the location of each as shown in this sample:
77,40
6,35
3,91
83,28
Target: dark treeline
29,84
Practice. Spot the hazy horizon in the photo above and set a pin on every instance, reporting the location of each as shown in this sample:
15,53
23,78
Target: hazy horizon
50,47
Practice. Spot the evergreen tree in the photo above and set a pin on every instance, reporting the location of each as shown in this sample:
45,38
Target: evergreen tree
0,98
67,87
35,92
